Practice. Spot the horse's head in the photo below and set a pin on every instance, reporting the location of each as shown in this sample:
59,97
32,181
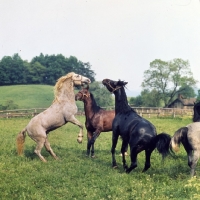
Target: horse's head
113,85
82,94
79,79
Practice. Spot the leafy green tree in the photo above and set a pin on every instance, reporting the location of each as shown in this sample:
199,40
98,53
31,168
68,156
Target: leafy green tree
36,73
136,101
150,98
187,91
12,70
168,78
58,65
198,96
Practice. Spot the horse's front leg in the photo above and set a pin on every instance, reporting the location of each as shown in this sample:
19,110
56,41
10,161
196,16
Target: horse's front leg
89,137
76,122
114,144
95,135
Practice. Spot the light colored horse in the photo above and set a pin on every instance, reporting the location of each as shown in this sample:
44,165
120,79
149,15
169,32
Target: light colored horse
59,113
189,136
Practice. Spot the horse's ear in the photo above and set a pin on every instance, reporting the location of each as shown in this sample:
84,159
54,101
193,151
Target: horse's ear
125,83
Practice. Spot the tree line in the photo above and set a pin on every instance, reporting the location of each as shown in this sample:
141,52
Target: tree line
42,69
162,83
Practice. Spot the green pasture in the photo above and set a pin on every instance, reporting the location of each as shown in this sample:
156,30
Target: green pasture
75,176
29,96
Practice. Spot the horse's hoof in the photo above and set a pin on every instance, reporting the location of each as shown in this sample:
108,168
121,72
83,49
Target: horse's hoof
93,156
79,141
115,166
128,171
125,167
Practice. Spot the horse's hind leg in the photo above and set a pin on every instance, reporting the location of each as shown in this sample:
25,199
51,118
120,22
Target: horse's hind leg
192,161
133,160
38,149
123,151
49,149
148,161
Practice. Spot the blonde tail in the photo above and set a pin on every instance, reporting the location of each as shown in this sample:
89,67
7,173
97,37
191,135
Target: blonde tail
20,141
175,146
179,137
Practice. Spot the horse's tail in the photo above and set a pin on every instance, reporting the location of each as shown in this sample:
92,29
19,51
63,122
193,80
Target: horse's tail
20,141
180,136
163,144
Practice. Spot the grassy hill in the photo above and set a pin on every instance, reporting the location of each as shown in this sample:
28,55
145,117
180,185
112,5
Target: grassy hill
27,96
31,96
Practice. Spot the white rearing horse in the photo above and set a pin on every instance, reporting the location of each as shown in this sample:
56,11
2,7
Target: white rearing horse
59,113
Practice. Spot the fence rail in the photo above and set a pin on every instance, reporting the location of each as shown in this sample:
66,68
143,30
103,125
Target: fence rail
147,112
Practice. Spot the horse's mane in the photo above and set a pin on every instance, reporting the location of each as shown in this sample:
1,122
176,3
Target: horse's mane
59,84
196,116
124,106
95,107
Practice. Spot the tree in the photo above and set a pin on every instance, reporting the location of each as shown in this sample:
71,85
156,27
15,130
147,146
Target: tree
136,101
36,73
168,78
198,96
150,98
12,70
187,91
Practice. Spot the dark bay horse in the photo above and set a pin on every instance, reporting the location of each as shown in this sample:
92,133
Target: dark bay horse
136,131
189,136
97,119
59,113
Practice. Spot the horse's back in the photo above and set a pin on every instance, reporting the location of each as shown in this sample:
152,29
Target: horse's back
133,124
194,134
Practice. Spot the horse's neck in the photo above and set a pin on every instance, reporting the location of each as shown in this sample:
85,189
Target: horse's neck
89,112
121,103
67,93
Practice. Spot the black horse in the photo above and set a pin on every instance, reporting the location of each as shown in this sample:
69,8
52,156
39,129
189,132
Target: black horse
136,131
196,115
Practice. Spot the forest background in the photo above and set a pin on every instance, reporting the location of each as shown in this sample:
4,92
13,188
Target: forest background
162,83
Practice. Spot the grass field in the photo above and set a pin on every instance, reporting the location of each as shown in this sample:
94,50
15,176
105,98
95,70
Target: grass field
29,96
75,176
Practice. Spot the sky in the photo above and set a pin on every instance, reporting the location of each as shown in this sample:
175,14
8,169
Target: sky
119,38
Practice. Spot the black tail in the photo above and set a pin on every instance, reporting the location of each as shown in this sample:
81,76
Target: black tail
162,144
180,136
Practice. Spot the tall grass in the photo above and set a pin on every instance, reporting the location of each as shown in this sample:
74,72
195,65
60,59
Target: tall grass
75,176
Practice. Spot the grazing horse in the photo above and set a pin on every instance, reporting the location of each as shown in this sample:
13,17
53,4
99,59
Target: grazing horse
136,131
97,119
189,136
59,113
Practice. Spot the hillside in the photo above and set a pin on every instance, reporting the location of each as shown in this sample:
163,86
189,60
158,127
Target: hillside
27,96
